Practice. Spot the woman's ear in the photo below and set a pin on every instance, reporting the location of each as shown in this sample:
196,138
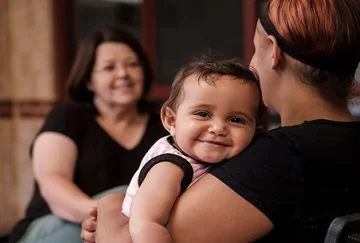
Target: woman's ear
276,52
168,118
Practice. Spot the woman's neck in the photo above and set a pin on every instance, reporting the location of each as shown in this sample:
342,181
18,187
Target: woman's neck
298,102
117,113
313,109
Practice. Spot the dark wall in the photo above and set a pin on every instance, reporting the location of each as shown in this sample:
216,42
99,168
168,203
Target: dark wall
190,28
184,28
91,15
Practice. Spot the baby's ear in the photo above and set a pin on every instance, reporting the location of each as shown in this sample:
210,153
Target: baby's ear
168,118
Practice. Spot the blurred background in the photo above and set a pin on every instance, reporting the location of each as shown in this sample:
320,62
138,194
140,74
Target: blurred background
37,45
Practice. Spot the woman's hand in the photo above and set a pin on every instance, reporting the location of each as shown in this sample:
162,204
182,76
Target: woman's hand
88,227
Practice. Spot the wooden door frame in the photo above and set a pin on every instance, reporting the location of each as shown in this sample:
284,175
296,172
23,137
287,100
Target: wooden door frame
62,36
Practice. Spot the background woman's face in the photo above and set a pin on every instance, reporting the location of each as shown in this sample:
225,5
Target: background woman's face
117,77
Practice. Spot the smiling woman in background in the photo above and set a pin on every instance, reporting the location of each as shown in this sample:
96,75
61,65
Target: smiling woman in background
94,143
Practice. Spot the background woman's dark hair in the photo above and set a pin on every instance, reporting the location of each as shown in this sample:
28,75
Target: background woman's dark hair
327,28
80,73
205,68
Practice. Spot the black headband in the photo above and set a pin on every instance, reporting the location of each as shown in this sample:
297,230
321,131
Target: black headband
343,61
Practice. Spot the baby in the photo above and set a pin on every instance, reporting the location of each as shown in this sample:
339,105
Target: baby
212,114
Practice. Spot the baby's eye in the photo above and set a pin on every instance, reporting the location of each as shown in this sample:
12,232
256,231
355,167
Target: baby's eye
237,120
202,114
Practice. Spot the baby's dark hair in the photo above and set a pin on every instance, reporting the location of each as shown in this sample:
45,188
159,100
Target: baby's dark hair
206,68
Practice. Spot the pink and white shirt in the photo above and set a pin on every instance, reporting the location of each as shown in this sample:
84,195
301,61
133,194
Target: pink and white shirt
163,150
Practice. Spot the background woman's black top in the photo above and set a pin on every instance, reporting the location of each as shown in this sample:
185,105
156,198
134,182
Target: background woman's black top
102,163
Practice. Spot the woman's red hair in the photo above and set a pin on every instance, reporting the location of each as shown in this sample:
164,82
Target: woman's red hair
322,28
318,26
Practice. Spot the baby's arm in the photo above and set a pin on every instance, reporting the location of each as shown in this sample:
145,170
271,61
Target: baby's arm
153,202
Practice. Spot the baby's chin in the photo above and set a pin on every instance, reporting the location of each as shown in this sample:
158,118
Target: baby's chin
210,159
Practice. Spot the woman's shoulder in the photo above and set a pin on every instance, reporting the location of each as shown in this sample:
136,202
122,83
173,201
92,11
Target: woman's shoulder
66,118
267,168
278,147
67,108
69,112
283,135
276,138
281,142
316,133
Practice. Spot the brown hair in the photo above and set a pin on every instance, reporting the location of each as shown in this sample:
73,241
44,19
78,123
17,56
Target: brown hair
328,28
85,58
206,67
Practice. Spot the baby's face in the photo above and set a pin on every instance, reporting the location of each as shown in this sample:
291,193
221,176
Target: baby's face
216,121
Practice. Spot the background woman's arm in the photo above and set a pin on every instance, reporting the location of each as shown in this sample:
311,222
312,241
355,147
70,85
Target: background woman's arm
54,158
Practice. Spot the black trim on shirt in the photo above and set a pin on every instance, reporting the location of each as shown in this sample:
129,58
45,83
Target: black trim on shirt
175,159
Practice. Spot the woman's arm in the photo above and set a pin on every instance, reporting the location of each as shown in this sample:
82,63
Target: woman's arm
54,158
111,226
209,211
153,202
